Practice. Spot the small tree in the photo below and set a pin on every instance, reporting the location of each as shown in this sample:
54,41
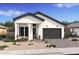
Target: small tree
10,25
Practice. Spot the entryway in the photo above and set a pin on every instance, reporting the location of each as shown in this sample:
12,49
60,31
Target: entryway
34,31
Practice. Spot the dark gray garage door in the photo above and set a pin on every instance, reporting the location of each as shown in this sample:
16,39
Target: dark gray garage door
51,33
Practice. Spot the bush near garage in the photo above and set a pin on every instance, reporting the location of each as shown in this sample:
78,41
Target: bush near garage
67,34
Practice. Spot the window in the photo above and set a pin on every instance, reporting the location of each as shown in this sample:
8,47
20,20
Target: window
21,31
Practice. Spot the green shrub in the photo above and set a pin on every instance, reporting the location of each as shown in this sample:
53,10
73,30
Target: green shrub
2,36
67,34
46,41
30,44
8,40
14,43
74,39
3,46
31,41
51,45
47,45
10,35
21,40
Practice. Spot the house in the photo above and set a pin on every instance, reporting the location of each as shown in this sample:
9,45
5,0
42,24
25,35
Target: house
39,26
3,30
74,28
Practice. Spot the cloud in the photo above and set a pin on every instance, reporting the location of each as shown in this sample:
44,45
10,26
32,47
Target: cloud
11,12
66,5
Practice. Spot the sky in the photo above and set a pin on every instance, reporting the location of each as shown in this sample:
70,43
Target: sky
61,12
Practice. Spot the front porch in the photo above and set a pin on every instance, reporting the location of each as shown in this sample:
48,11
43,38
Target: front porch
28,31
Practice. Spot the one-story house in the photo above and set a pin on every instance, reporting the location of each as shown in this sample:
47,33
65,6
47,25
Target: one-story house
3,30
74,28
38,26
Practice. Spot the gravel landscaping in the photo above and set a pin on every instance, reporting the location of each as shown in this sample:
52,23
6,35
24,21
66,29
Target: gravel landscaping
24,45
63,43
38,44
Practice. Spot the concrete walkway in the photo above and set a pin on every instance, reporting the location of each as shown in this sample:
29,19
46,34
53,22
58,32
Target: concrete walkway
63,43
53,51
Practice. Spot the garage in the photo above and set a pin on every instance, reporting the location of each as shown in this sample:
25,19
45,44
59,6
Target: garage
51,33
76,31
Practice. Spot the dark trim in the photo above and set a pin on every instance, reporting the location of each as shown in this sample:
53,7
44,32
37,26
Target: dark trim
14,19
49,17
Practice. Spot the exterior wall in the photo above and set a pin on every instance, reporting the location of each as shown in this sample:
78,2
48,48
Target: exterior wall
20,25
76,31
30,29
37,31
28,21
24,22
3,31
48,23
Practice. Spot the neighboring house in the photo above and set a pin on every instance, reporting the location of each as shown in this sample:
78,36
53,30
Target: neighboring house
73,28
3,30
38,26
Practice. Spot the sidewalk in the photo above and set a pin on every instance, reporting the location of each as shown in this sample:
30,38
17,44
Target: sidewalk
54,51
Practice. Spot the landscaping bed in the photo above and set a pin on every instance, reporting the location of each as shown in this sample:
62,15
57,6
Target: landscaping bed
3,47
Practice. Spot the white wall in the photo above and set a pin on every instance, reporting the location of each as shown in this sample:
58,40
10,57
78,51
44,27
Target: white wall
76,31
48,23
28,19
17,25
24,22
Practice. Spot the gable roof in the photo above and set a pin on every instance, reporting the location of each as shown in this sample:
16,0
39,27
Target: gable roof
27,15
49,17
71,25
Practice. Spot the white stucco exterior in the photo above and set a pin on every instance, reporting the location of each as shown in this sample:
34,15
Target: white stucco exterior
28,21
48,23
75,31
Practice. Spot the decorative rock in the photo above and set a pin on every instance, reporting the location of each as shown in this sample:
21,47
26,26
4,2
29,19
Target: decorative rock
6,48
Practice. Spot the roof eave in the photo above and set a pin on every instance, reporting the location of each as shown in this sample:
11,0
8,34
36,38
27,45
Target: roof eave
49,17
14,19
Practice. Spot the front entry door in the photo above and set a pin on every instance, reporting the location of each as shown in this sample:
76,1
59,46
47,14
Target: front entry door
34,33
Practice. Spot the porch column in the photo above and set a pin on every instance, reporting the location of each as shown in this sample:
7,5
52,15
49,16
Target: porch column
16,27
62,34
30,32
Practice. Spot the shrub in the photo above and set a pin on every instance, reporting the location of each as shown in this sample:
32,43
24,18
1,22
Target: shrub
14,43
2,36
51,45
47,45
30,44
3,46
8,40
67,34
43,39
31,41
74,39
10,35
21,40
46,41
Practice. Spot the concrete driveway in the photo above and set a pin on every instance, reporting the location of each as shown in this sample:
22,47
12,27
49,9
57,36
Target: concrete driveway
62,43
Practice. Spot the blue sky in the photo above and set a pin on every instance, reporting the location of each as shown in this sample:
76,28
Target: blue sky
62,12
